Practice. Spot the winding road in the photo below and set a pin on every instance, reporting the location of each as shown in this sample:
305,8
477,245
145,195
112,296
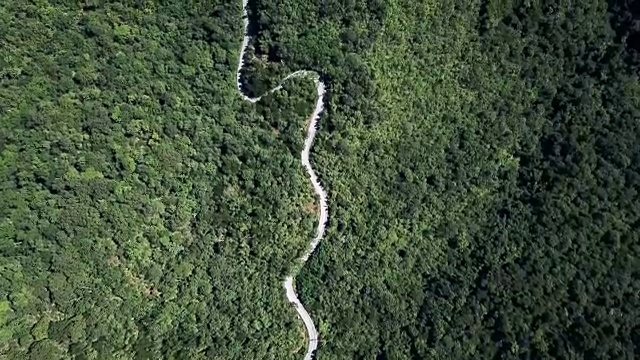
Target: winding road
317,187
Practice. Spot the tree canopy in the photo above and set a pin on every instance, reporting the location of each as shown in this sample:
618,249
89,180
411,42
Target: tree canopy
481,158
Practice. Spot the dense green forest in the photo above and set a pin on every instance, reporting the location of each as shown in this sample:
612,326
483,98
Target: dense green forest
482,160
147,212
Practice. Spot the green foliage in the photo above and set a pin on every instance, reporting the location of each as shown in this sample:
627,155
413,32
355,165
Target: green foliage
481,159
483,193
146,211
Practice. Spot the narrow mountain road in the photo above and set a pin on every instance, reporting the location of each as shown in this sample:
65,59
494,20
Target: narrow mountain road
317,187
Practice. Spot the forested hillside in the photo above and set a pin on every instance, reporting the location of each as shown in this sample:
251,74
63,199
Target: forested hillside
485,195
146,212
481,158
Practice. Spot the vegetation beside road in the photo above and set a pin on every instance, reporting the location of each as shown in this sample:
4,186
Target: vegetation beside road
481,160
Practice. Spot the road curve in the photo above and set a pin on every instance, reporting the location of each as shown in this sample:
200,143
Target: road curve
304,156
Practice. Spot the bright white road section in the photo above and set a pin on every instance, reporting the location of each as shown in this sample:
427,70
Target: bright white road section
322,195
